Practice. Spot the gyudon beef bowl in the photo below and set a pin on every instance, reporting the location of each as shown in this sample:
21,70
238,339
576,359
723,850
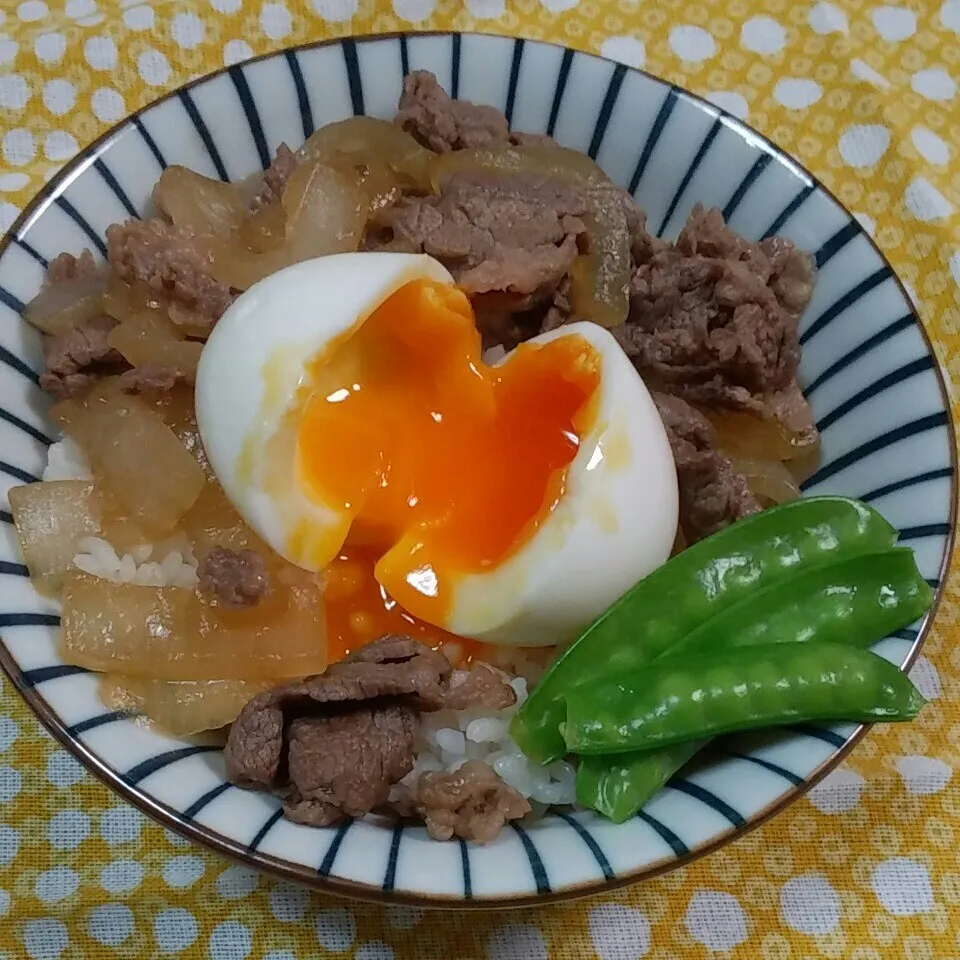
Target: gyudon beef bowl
419,494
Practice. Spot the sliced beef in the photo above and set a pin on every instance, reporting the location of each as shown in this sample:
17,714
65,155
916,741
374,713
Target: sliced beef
303,741
429,114
235,578
76,359
275,177
508,240
151,378
471,802
712,493
172,262
66,268
714,318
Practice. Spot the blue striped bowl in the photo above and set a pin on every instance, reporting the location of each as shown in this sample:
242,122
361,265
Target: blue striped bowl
867,368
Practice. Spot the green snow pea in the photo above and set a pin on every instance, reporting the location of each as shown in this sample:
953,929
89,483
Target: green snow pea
855,601
688,590
743,689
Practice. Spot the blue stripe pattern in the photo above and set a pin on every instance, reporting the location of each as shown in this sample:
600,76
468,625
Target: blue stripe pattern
880,357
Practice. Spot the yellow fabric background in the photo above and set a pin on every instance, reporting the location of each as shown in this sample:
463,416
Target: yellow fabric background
64,836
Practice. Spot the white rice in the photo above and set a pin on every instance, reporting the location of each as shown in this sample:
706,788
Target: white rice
447,738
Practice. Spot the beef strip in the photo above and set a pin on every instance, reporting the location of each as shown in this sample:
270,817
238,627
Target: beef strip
508,240
151,378
714,317
712,493
66,268
78,358
236,578
275,177
172,262
375,694
471,802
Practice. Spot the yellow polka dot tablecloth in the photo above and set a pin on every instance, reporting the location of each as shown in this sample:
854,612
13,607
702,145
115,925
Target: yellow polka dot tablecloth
867,865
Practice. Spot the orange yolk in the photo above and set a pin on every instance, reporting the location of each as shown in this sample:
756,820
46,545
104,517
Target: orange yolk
444,465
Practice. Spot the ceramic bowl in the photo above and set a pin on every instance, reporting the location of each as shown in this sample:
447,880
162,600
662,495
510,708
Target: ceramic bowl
867,370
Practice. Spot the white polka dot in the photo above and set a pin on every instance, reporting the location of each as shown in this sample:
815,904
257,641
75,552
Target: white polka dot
9,844
903,887
280,955
950,15
4,902
235,883
336,11
516,941
894,23
797,93
187,30
8,214
226,6
863,145
288,903
863,71
101,53
235,51
80,9
628,50
110,924
31,10
692,43
413,11
934,84
931,147
108,105
153,67
763,35
732,102
68,829
14,92
18,147
838,792
867,222
58,884
336,929
826,18
120,825
375,950
925,678
50,47
404,918
60,145
924,775
716,920
559,6
481,9
121,876
230,941
138,18
175,929
809,904
13,181
176,839
8,50
182,872
618,932
10,783
63,770
925,201
45,939
9,731
276,21
59,96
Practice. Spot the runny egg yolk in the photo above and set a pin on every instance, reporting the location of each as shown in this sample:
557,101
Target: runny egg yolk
445,466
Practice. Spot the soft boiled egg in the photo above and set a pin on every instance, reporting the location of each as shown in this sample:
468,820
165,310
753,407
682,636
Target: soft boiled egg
343,403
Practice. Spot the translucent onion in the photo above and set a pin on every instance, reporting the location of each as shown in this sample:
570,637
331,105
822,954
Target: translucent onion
199,204
599,279
60,307
769,480
751,437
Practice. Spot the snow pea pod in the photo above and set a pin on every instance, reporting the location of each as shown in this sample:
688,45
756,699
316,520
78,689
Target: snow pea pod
691,588
855,601
743,689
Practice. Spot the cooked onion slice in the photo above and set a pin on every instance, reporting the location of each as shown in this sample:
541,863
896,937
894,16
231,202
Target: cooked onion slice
769,480
60,307
199,204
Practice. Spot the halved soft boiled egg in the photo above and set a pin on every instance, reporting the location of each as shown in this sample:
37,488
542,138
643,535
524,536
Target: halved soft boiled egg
344,401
